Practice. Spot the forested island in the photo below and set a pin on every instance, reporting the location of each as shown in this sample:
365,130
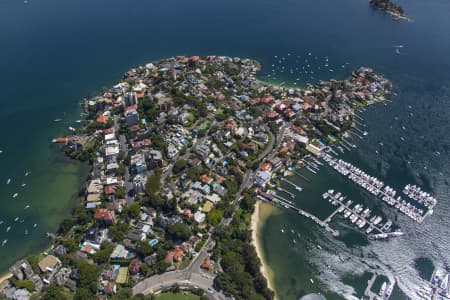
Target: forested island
389,7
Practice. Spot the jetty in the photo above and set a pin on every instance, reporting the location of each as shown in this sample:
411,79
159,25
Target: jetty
308,215
280,201
286,191
301,176
298,188
336,199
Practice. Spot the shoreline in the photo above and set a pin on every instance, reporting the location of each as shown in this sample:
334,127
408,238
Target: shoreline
261,213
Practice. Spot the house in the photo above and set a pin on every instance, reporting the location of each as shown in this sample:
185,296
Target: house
49,264
206,179
138,164
219,189
262,137
139,182
262,178
71,284
135,267
183,118
151,260
105,217
110,288
207,265
172,151
156,159
131,117
267,166
130,99
199,217
203,150
95,235
119,252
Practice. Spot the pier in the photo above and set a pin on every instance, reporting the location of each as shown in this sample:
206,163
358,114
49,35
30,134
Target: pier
301,176
368,291
330,217
288,204
359,123
298,188
287,192
341,204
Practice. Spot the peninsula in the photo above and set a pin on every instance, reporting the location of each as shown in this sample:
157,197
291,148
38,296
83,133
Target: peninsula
181,149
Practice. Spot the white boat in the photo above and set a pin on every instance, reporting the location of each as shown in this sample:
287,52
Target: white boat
8,229
383,288
57,120
34,225
23,184
4,242
26,231
15,195
27,207
282,230
16,219
312,281
8,181
27,173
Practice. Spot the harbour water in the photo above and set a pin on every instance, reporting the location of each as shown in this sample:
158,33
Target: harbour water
55,53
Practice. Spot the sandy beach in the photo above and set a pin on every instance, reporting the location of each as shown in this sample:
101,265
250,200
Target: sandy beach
262,211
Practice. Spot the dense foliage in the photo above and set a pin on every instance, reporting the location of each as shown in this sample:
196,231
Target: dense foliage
241,277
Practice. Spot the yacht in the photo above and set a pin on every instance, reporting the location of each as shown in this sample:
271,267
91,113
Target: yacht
8,229
15,195
23,184
8,181
4,242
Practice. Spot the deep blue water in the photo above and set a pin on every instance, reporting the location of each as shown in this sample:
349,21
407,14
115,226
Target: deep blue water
53,53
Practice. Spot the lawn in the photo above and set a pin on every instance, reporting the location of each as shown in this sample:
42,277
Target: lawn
179,296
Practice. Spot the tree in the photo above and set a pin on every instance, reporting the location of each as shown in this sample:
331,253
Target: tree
121,192
83,294
153,183
65,226
102,255
26,284
118,231
133,210
179,166
143,248
215,216
88,277
179,231
54,292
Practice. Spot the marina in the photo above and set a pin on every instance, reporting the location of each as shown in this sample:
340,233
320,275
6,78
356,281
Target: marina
418,212
360,217
384,293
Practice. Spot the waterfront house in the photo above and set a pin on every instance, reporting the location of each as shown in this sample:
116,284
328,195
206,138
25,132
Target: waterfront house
105,217
49,264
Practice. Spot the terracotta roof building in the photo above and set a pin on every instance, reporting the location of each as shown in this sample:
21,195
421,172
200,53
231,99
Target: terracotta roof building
105,216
